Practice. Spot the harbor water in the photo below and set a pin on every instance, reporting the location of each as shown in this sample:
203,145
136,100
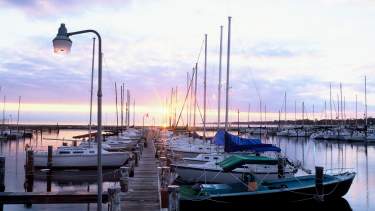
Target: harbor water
332,155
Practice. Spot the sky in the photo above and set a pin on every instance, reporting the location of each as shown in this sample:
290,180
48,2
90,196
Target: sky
293,46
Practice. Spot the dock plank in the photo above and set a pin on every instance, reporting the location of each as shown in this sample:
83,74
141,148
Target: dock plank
143,190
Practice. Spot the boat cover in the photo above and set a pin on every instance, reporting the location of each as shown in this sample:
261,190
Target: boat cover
234,143
236,161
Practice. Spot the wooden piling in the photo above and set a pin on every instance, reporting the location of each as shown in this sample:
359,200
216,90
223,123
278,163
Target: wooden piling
114,199
319,176
174,198
49,157
2,174
2,178
280,167
124,179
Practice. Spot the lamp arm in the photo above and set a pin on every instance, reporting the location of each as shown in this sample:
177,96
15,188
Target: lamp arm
99,118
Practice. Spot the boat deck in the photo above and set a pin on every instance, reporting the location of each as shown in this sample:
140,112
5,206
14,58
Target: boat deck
143,193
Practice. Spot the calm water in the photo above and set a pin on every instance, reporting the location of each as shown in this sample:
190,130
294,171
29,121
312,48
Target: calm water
333,155
14,151
311,153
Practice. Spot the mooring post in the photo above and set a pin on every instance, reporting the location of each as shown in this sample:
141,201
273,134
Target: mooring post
114,199
2,174
29,174
319,182
74,143
124,179
131,164
145,142
136,157
174,197
163,161
49,157
2,178
29,162
280,167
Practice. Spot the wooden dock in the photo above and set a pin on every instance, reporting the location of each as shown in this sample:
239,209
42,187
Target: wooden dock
143,190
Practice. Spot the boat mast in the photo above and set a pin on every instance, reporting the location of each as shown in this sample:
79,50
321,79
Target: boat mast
303,114
128,107
219,85
171,110
122,105
227,84
365,109
285,107
191,97
18,112
248,117
205,87
356,119
295,113
341,112
175,108
238,121
187,104
134,112
116,107
330,102
195,93
92,86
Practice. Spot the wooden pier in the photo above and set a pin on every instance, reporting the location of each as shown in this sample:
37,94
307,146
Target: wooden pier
143,189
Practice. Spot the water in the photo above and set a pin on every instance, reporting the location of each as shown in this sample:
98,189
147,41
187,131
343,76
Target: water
334,155
331,155
71,180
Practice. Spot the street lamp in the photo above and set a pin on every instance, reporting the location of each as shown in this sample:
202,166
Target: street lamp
62,45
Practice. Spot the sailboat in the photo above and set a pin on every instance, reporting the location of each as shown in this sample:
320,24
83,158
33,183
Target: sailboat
254,192
79,157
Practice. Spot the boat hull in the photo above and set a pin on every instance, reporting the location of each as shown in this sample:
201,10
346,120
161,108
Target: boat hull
331,191
81,161
193,175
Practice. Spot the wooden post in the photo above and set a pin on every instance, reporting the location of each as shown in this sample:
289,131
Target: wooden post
2,178
49,158
319,182
114,199
124,179
145,143
29,174
163,161
74,143
174,197
136,157
280,168
2,174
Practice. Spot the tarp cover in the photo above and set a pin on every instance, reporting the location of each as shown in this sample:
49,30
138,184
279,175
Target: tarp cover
236,161
234,143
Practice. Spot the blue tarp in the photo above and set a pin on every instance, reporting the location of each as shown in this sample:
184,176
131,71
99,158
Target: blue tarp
234,143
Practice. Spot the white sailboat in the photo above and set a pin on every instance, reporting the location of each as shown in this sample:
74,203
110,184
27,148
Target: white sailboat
79,157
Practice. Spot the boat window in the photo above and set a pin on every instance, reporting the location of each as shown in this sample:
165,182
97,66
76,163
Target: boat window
64,152
216,158
78,152
206,158
200,148
92,151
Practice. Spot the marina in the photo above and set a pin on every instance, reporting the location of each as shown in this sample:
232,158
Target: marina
146,106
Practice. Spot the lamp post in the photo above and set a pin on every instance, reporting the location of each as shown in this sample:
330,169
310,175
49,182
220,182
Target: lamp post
62,45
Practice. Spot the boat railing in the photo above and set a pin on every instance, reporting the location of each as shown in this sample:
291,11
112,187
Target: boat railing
335,171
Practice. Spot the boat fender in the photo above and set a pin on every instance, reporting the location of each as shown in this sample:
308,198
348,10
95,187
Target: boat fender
252,184
197,187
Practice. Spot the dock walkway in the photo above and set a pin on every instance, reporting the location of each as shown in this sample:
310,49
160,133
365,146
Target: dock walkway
143,190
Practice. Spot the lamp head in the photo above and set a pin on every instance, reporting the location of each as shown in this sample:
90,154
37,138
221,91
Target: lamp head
62,43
